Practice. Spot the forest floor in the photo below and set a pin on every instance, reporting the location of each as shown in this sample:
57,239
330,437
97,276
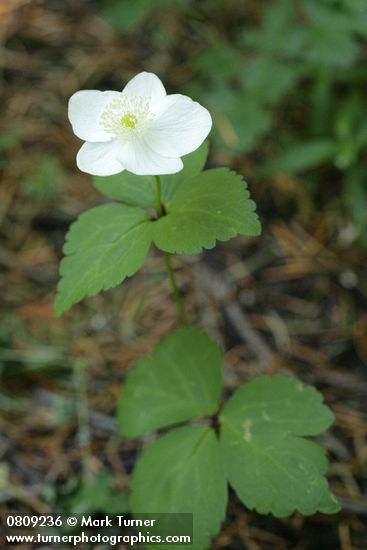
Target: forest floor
292,301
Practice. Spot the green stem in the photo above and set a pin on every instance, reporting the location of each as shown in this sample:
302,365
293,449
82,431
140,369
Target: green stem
176,291
168,260
158,202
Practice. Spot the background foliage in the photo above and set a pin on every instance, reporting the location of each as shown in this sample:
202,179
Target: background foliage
259,80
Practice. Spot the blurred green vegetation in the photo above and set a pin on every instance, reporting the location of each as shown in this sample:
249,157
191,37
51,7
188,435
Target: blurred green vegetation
282,78
45,181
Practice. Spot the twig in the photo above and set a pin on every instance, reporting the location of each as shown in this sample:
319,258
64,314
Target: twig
221,289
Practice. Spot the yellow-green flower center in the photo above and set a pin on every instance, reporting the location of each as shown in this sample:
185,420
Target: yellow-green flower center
129,120
126,116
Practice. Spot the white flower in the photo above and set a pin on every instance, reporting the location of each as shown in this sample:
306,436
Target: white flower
141,129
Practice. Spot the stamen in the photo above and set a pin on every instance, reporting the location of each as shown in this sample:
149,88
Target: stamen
126,114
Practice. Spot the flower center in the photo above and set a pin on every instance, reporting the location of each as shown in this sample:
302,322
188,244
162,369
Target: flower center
129,120
126,116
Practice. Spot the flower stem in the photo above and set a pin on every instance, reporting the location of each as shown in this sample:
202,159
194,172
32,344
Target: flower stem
168,260
158,201
176,291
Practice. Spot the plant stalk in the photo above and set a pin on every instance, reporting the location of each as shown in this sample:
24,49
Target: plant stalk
176,291
168,260
159,205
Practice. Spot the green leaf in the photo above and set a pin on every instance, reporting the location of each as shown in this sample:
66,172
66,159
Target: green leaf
45,180
275,33
182,380
328,47
141,190
126,15
268,80
201,207
356,199
98,496
303,156
213,205
250,120
241,117
10,138
105,245
182,473
193,165
219,62
110,242
330,40
271,468
128,188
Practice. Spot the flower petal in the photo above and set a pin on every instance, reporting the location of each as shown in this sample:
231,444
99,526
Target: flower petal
138,158
181,127
147,85
84,111
99,159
